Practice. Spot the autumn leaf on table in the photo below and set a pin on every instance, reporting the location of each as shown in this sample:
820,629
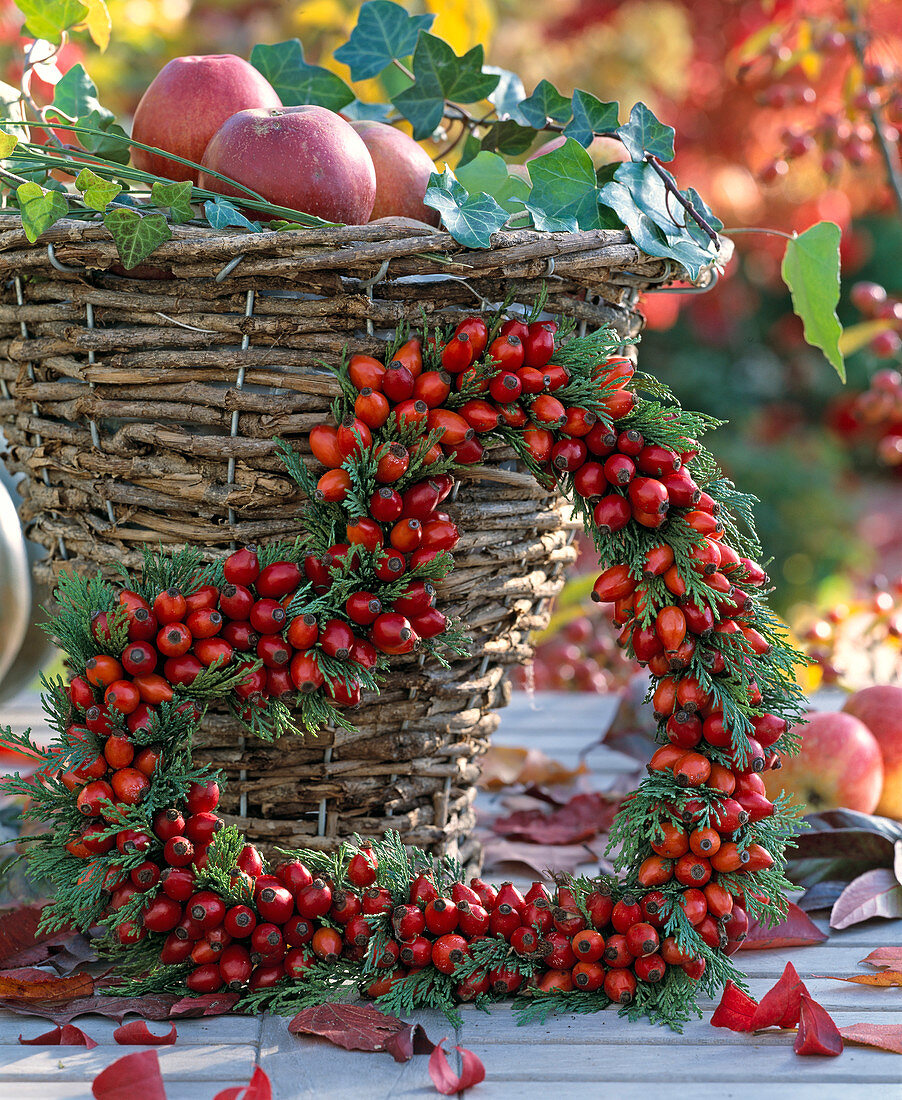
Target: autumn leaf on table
883,1036
66,1036
736,1009
884,957
446,1081
780,1006
513,858
209,1004
583,817
886,979
795,930
21,944
504,765
412,1039
132,1077
46,989
354,1027
818,1034
153,1006
258,1088
136,1033
876,893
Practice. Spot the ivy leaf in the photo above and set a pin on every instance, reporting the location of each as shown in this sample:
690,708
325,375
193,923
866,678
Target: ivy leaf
384,32
591,117
489,173
136,236
439,74
811,272
110,141
296,82
509,93
76,96
470,219
508,137
564,194
97,192
39,209
98,23
49,18
175,196
11,107
643,133
545,103
8,142
222,214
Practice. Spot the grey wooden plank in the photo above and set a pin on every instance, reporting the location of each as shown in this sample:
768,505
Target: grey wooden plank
681,1062
832,957
608,1028
200,1032
179,1062
721,1090
71,1090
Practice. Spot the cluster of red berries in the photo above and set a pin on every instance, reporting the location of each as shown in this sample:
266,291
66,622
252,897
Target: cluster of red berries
878,409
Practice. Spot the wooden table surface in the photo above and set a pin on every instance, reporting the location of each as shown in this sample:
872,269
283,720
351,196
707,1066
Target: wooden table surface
569,1056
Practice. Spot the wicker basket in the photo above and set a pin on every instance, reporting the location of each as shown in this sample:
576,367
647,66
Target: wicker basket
142,407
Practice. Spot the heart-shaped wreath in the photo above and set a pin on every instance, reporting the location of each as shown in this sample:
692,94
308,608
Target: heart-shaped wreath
291,634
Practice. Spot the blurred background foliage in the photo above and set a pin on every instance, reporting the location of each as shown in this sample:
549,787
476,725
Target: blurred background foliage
752,87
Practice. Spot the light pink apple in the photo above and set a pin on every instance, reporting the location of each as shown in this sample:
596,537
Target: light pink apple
839,765
187,102
880,708
306,158
403,168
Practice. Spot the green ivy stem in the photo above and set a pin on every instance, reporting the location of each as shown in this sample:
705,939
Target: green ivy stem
760,229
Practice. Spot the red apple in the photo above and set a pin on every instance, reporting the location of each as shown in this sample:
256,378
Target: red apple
880,708
187,102
305,158
839,765
403,168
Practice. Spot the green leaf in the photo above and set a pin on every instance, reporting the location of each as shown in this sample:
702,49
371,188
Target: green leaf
384,32
76,96
811,272
358,111
222,214
97,192
49,18
470,219
509,93
489,173
439,74
109,141
643,133
546,103
564,194
8,142
39,209
175,196
509,138
136,236
12,107
591,117
297,83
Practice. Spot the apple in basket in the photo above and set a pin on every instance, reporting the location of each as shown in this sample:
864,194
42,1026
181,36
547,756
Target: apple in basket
187,102
403,168
880,708
306,158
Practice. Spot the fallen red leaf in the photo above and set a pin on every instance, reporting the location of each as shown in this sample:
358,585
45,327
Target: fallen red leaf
137,1034
885,979
875,893
504,765
132,1077
21,944
884,1036
736,1009
780,1006
411,1040
885,957
583,817
46,988
66,1036
27,974
209,1004
154,1006
446,1081
818,1034
354,1027
258,1088
795,930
